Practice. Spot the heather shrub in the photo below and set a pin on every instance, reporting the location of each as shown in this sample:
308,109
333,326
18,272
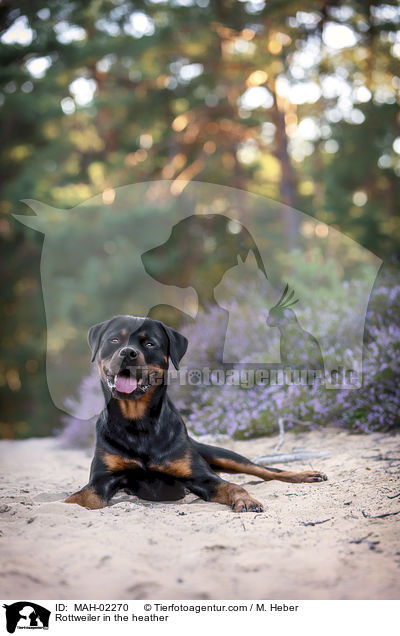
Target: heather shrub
247,412
376,406
78,432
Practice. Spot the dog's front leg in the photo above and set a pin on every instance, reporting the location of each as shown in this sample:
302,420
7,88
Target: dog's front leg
97,493
221,491
87,497
197,476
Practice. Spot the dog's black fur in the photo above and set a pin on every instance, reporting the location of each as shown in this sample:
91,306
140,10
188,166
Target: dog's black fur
142,445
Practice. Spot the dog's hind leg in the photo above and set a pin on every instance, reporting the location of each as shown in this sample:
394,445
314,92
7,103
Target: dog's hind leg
226,461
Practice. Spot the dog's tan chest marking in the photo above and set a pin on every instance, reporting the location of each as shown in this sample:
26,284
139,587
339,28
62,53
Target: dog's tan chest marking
115,462
135,409
178,467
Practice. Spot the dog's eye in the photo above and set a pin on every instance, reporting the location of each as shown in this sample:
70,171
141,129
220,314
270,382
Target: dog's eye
114,339
149,344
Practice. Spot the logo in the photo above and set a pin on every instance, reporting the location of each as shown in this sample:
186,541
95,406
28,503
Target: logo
26,615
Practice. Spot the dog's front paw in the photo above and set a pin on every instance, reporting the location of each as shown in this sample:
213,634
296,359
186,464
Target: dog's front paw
87,498
245,503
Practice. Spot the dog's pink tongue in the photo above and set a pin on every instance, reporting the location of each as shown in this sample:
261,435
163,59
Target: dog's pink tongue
125,384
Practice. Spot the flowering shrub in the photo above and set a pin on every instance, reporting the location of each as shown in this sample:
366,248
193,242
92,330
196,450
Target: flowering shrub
79,432
248,412
376,406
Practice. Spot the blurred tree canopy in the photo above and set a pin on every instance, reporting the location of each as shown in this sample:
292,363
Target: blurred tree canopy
293,100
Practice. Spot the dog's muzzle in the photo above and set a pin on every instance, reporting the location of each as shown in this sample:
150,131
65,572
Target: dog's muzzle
130,379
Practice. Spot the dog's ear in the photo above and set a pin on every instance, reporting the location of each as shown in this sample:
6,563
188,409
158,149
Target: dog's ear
177,345
95,334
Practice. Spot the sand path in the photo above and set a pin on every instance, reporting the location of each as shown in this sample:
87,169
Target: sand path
198,550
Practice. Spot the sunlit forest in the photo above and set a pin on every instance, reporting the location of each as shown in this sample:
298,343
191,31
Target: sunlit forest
296,101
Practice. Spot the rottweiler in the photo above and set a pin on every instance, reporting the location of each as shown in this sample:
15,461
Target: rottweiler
142,445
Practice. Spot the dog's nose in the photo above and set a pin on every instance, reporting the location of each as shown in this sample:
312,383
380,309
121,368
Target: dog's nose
128,352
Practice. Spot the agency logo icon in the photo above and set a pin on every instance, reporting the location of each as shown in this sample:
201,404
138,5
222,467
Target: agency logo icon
26,615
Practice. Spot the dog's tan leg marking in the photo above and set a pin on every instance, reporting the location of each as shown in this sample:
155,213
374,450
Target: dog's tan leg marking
236,497
87,498
230,465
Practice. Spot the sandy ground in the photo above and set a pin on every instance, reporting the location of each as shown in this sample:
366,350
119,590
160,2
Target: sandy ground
198,550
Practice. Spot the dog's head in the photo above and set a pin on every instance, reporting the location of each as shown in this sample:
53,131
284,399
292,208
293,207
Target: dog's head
200,249
133,353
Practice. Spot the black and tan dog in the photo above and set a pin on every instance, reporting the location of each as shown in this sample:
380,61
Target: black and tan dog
142,444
